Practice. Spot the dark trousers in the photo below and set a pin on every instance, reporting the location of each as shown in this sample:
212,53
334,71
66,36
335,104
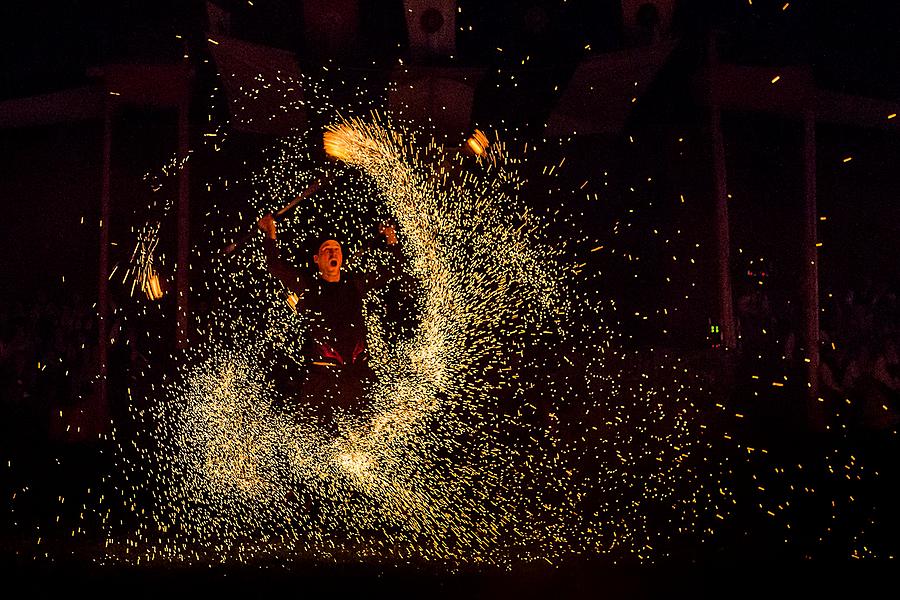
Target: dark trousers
331,389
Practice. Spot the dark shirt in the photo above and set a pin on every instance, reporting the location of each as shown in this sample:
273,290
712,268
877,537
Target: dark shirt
337,330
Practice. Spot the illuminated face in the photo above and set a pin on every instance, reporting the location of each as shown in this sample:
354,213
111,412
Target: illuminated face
329,260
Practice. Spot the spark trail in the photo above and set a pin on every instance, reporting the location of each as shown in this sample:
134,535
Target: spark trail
476,443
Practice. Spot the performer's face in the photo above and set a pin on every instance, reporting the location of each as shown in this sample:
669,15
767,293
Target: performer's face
329,260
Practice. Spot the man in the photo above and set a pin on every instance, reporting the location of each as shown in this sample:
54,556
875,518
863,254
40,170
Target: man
336,345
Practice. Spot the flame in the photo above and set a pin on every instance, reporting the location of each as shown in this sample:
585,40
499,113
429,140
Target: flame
292,300
478,143
350,142
152,287
336,143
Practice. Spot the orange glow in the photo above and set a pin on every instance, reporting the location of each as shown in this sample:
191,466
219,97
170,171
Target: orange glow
342,142
292,300
336,143
477,143
153,287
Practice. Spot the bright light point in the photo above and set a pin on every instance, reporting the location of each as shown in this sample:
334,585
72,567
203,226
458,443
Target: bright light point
477,143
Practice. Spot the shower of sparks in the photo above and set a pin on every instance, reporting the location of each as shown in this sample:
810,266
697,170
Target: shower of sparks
504,423
507,422
141,268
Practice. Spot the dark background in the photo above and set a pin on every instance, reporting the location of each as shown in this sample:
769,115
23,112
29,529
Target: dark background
50,189
50,174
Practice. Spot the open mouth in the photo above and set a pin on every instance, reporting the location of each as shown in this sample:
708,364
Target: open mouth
333,263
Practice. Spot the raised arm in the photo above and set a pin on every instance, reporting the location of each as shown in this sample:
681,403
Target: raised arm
289,275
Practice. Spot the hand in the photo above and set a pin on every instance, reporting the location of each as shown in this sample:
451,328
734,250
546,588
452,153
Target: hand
387,230
267,226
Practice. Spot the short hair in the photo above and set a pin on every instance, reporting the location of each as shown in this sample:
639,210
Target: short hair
316,242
